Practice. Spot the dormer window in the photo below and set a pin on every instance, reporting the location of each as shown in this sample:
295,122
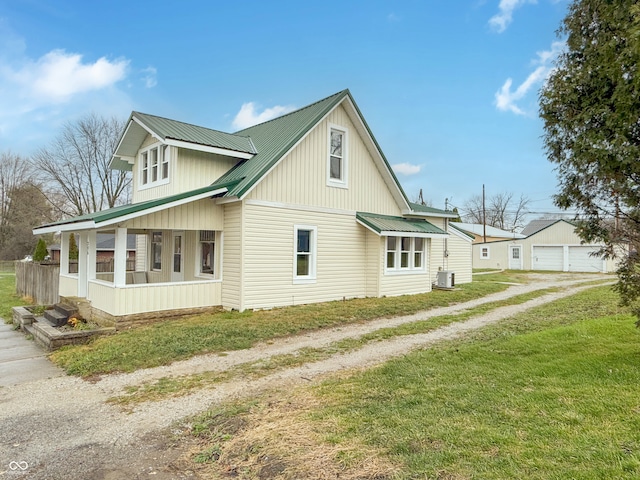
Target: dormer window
154,165
337,161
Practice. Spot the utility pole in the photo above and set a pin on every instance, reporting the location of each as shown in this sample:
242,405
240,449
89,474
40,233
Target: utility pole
484,218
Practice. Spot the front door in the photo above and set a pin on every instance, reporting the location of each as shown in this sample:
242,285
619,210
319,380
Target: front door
177,266
515,257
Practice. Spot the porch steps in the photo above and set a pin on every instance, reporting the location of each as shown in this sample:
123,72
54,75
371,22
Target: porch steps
59,315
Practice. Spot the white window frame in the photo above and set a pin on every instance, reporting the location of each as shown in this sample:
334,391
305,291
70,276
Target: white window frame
313,257
163,157
152,243
343,181
411,266
482,253
216,255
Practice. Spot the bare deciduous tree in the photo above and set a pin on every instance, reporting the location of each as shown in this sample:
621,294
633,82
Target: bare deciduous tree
76,164
502,211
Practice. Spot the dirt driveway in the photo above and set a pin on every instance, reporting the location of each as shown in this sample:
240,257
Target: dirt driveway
62,428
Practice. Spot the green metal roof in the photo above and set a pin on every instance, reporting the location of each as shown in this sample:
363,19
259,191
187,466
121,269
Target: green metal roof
172,129
133,208
419,208
386,223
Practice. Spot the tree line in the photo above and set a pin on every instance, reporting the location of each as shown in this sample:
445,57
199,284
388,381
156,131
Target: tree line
68,177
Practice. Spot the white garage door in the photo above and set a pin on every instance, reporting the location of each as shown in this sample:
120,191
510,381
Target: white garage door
548,258
581,261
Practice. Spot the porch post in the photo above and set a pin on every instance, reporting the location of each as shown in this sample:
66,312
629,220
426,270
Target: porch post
91,257
83,259
64,252
120,258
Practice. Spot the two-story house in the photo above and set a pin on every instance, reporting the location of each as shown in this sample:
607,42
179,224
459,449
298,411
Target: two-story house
300,209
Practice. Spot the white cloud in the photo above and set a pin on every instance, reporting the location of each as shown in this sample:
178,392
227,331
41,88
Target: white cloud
249,116
406,168
149,77
506,99
501,20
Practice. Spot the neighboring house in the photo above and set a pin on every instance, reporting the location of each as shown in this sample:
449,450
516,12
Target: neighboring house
486,233
300,209
105,247
548,245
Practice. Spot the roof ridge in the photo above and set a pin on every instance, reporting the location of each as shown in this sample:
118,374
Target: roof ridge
188,124
341,92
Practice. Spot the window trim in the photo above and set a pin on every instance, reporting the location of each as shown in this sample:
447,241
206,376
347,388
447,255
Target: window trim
313,254
216,255
488,255
152,252
411,267
163,156
343,182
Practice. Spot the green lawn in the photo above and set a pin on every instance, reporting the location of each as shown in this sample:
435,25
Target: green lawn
8,297
550,394
168,341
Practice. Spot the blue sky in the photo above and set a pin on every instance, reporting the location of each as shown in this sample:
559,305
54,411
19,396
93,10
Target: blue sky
448,87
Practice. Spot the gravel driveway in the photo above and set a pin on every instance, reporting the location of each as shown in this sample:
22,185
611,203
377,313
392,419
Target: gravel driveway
62,428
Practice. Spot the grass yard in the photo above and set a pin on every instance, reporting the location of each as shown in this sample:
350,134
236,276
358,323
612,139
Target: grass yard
549,394
168,341
8,297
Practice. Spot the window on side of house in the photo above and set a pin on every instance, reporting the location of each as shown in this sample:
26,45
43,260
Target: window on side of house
156,251
305,253
484,252
405,254
337,162
154,165
207,252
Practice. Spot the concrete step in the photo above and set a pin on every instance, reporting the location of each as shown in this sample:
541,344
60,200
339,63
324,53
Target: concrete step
44,321
56,318
65,309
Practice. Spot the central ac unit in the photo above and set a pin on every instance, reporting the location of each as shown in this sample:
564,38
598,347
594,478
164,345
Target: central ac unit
445,279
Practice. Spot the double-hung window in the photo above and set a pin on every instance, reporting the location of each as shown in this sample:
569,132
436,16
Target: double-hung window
405,254
337,162
207,252
304,268
154,165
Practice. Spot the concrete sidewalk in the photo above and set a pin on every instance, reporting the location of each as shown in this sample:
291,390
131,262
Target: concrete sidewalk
21,360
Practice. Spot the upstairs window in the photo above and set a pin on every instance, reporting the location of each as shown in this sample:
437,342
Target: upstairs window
154,165
337,161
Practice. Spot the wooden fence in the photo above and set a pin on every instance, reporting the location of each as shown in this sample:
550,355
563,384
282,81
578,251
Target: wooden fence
37,281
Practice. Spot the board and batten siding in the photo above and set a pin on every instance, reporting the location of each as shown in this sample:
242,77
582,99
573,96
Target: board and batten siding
188,170
270,255
232,256
198,215
301,177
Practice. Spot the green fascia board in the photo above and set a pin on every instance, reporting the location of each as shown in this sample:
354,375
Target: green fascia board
124,210
416,207
273,139
186,132
387,223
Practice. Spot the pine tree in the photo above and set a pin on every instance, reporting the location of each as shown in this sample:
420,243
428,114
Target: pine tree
41,251
73,247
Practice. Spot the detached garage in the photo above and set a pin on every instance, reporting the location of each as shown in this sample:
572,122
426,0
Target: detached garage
549,245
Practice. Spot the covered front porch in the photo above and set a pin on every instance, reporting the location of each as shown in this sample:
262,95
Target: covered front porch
177,263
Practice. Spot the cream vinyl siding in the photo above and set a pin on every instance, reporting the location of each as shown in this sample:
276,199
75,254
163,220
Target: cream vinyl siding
188,170
232,256
409,283
498,255
459,259
134,299
375,252
269,257
301,177
198,215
